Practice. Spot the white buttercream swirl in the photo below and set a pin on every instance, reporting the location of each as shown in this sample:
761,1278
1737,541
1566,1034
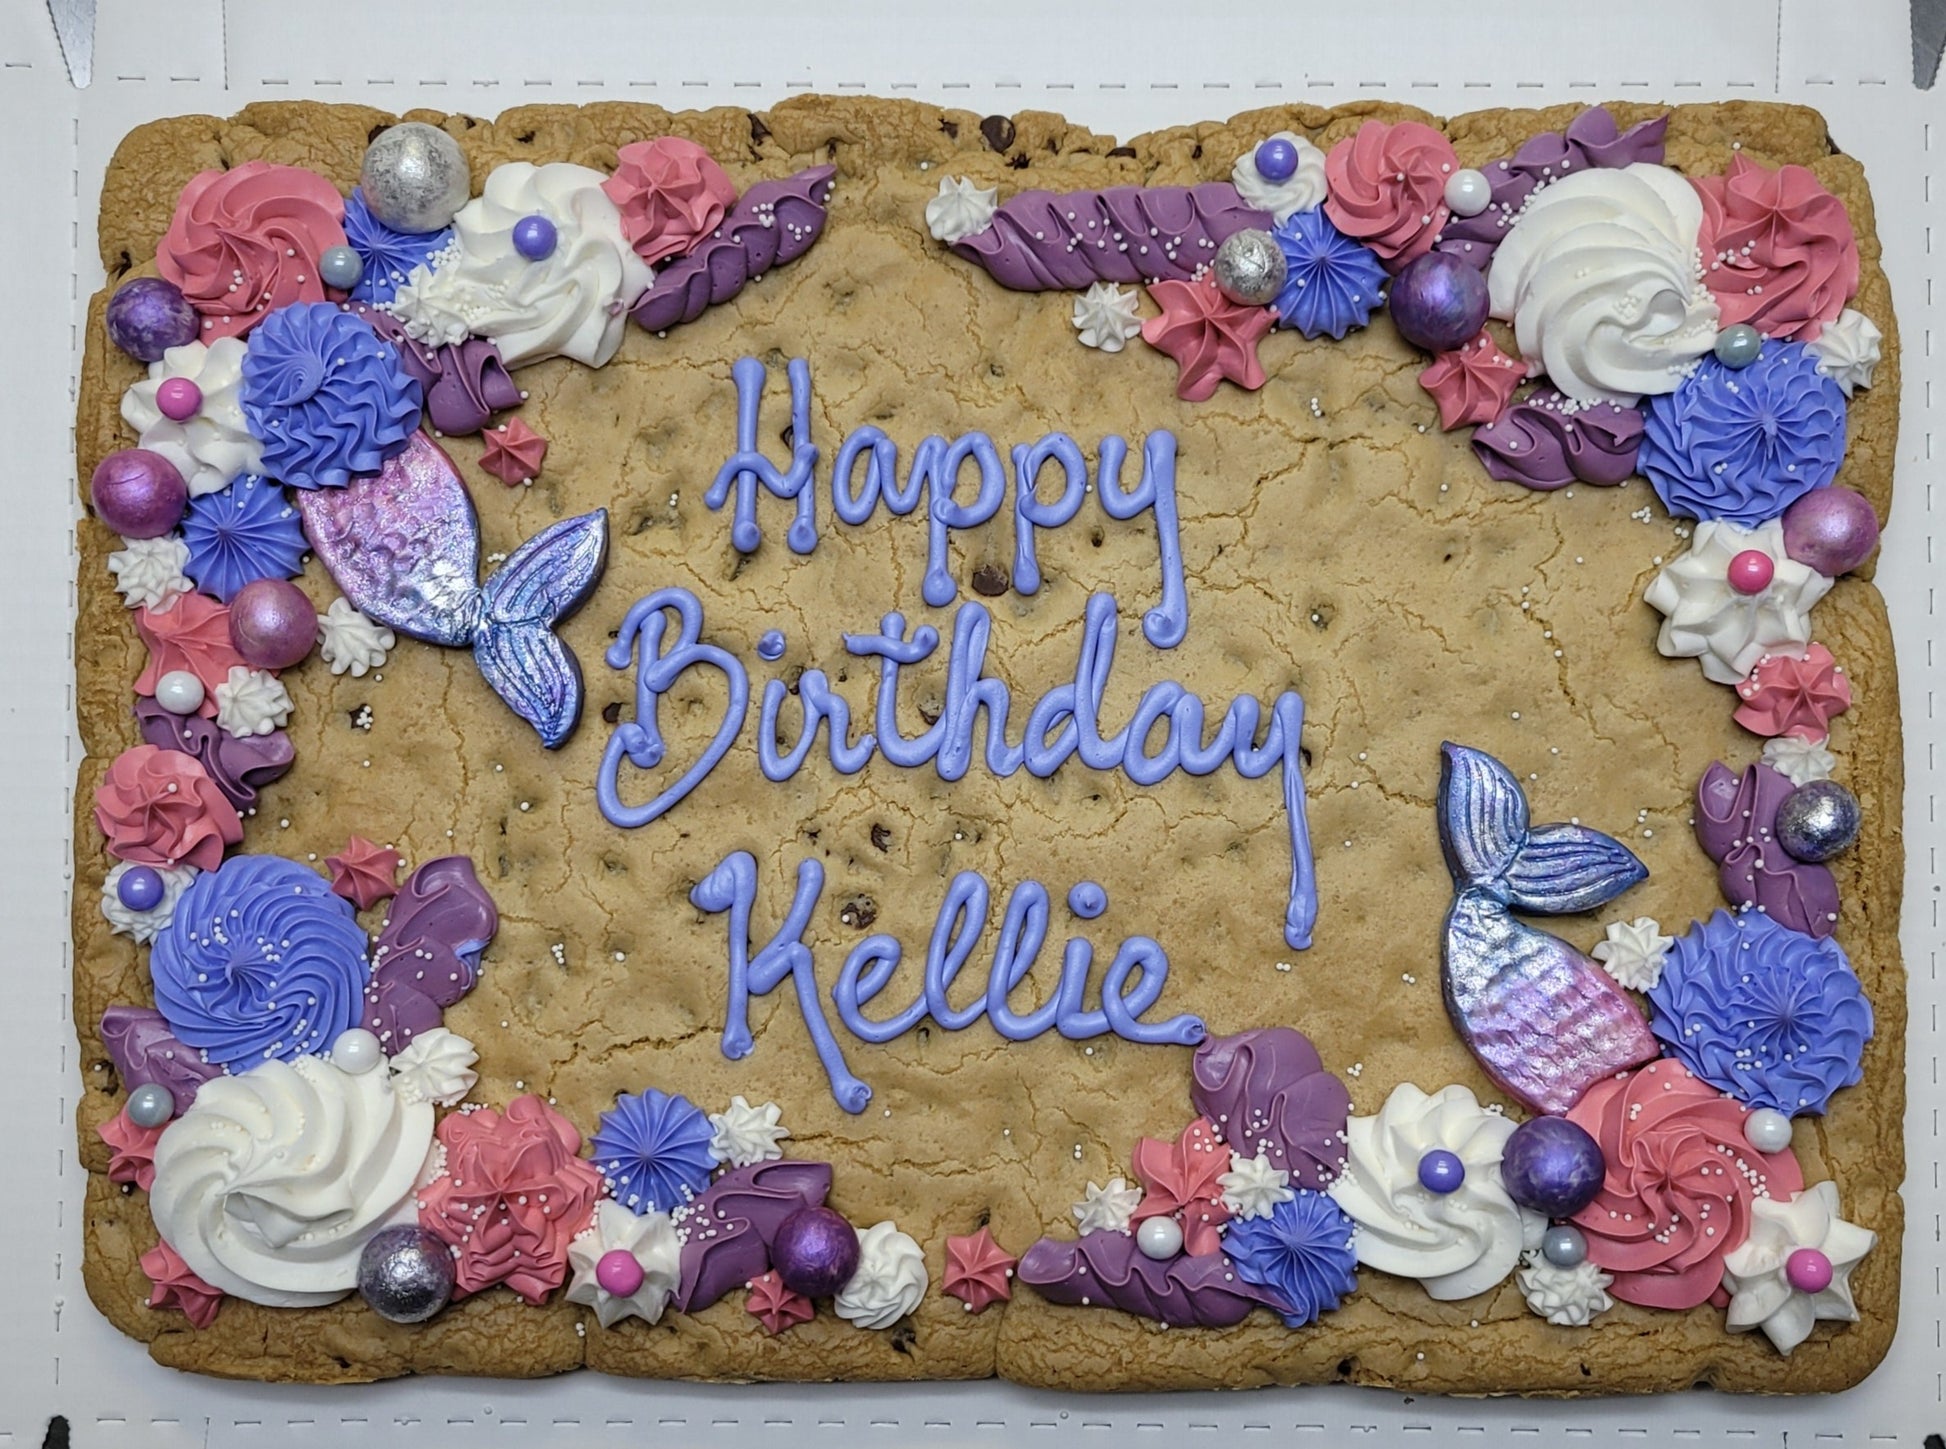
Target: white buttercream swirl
961,209
213,445
1600,276
571,303
1799,760
1458,1243
149,571
1633,952
650,1239
890,1281
437,1067
1303,190
1761,1295
1727,631
1849,350
1107,1209
1106,318
743,1135
1569,1297
271,1183
349,640
144,926
251,702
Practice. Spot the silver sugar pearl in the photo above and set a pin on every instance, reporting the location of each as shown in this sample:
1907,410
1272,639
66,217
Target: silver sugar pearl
1564,1246
1250,268
1817,821
340,267
1468,192
1738,345
405,1274
414,177
151,1105
1768,1130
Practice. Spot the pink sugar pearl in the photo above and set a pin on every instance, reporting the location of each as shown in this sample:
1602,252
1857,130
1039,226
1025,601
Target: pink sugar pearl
620,1274
179,398
1808,1270
1751,571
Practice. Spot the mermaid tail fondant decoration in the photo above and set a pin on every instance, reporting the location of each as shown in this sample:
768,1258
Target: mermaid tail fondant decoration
1544,1020
404,545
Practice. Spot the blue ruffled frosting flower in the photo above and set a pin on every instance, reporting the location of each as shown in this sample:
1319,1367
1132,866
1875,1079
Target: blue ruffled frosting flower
389,256
1767,1014
1743,444
325,396
242,533
653,1150
1300,1256
1331,283
260,960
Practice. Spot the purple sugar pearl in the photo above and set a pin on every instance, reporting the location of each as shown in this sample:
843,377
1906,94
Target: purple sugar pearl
1441,1171
1552,1166
1276,159
272,624
1832,530
535,237
140,888
148,316
815,1252
137,493
1439,302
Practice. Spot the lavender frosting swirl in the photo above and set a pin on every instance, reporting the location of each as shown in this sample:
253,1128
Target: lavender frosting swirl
1041,241
144,1050
774,222
241,765
1736,821
726,1232
427,955
1268,1093
1767,1014
325,397
1107,1270
1545,441
464,384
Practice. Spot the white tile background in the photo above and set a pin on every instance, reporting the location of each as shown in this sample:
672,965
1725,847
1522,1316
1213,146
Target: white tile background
1117,68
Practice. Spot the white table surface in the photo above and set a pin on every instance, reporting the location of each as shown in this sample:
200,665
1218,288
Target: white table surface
1124,74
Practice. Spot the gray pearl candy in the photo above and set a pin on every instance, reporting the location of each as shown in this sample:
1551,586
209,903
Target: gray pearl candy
414,177
340,267
1250,268
1738,345
1817,820
1564,1246
151,1105
405,1274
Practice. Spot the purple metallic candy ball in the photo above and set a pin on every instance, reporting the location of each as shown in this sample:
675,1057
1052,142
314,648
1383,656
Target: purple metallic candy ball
1276,159
1439,302
1441,1171
1832,530
140,888
272,624
1552,1166
534,237
137,493
405,1274
148,316
815,1252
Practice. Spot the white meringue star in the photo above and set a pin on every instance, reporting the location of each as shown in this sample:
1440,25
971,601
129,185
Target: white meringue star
1634,951
1726,630
1756,1272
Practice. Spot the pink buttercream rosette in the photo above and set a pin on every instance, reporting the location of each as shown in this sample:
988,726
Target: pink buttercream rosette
160,807
245,242
1778,249
1798,697
1180,1182
175,1285
671,194
131,1150
1387,188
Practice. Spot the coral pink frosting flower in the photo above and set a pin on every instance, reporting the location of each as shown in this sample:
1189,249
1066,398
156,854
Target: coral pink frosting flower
1209,336
131,1150
671,194
1387,188
175,1286
979,1272
1794,696
192,634
160,807
1778,249
1180,1179
247,241
1474,383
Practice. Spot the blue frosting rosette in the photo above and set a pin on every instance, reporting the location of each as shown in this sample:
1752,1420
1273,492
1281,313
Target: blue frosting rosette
389,256
260,961
1331,283
325,396
1300,1257
1743,444
240,534
654,1151
1769,1015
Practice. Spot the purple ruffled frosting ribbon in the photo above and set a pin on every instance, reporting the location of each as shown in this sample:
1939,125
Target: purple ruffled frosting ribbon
145,1050
1041,241
728,1230
1545,442
1736,824
240,765
1108,1270
464,384
428,954
774,222
1268,1093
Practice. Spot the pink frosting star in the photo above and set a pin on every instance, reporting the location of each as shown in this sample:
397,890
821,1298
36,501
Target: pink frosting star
670,192
175,1286
1473,384
1180,1179
193,634
131,1150
1209,336
364,873
1794,696
979,1272
513,453
776,1307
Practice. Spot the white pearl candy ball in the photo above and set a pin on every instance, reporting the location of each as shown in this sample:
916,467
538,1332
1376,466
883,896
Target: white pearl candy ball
356,1052
179,692
1767,1130
1159,1238
1468,192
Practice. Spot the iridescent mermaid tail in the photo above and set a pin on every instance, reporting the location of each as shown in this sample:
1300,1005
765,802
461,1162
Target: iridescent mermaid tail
1544,1020
404,545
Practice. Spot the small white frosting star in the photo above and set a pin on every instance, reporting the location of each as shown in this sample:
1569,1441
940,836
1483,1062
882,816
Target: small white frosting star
743,1134
1756,1273
960,210
1107,1209
1634,952
1728,631
149,571
1570,1297
1252,1187
1105,317
1848,350
1799,760
437,1067
251,702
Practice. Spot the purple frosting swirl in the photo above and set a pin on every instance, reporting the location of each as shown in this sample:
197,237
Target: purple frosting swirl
1736,823
726,1233
1591,140
1267,1092
464,384
1041,241
1545,441
1107,1270
325,397
240,766
1762,1012
1743,444
774,222
144,1050
428,953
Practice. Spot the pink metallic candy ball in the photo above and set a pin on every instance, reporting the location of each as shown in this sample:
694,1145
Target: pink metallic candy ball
1751,571
272,624
1832,530
178,398
137,493
619,1273
1808,1271
815,1252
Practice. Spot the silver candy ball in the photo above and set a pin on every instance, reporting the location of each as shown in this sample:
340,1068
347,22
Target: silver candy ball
1817,820
1767,1129
1738,345
151,1105
405,1274
1564,1245
340,267
1250,268
414,177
